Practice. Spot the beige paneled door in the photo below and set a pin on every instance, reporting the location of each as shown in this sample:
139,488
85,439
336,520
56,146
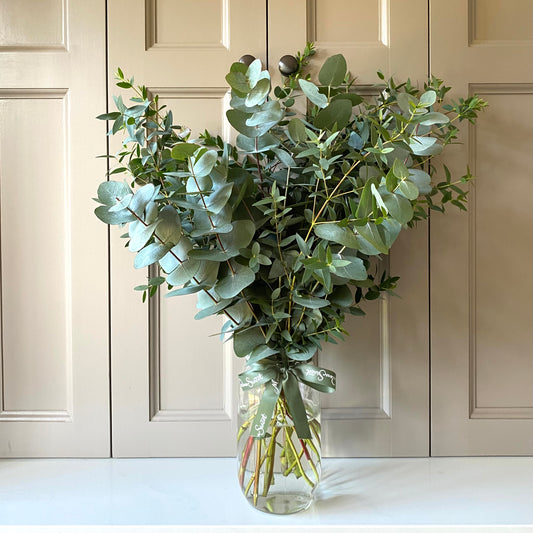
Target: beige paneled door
54,398
381,407
482,262
181,51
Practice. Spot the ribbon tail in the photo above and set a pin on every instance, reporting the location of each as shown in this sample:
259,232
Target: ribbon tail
265,411
320,379
296,406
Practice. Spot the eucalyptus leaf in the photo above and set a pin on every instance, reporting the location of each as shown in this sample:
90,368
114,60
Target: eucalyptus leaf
428,98
169,225
238,82
433,118
408,189
310,301
355,141
421,179
240,237
297,130
219,198
270,113
140,234
258,94
258,144
355,270
245,341
184,272
424,145
111,192
141,198
332,232
205,163
373,234
399,207
235,281
113,217
238,120
407,103
311,91
341,296
150,255
335,116
333,70
182,151
354,98
253,73
302,353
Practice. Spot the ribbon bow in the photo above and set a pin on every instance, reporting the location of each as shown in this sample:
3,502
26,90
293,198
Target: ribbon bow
277,380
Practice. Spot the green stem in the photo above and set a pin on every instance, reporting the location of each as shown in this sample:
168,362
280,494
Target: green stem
291,444
258,464
269,474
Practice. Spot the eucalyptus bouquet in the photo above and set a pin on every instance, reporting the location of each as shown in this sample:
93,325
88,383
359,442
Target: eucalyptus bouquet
282,232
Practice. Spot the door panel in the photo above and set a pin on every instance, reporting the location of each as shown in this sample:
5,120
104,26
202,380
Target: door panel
481,262
159,407
54,350
380,407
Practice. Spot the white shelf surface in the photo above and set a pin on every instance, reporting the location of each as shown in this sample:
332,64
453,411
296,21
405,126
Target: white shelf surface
204,492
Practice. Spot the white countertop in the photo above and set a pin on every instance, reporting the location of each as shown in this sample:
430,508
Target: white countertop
204,492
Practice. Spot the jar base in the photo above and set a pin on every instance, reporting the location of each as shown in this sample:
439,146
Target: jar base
282,503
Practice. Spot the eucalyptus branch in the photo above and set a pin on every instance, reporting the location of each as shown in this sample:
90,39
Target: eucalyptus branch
215,301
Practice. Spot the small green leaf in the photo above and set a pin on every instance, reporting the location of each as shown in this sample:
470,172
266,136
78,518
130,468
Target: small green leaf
204,165
408,189
109,116
141,198
140,234
150,255
297,131
399,207
310,301
335,116
182,151
311,91
400,170
238,82
428,98
169,225
258,94
245,341
424,145
238,120
111,192
355,270
184,272
355,99
341,296
235,282
374,235
240,237
113,217
365,202
333,70
270,112
433,118
421,179
331,232
407,103
219,198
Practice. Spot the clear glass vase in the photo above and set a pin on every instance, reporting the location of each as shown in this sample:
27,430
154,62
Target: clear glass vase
279,473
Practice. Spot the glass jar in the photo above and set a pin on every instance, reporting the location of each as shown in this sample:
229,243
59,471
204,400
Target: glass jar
278,473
